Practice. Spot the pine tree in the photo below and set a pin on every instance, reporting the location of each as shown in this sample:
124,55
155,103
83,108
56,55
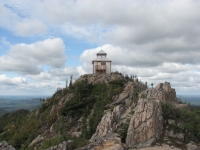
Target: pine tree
70,83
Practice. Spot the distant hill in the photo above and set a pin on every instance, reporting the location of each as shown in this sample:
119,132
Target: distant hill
13,103
190,99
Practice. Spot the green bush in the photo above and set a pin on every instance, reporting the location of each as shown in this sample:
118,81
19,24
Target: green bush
188,118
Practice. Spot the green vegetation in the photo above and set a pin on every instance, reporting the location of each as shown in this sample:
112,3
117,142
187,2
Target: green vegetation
15,119
90,97
87,101
17,129
186,120
20,128
84,102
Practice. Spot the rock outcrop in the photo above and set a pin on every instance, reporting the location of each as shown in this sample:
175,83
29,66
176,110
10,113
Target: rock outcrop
122,105
5,146
109,124
145,116
146,124
162,91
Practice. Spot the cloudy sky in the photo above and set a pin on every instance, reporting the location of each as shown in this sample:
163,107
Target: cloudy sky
43,42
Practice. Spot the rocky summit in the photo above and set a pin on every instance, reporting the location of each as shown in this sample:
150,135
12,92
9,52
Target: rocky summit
105,112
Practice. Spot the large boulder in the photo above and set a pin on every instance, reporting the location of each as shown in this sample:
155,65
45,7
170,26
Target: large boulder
146,124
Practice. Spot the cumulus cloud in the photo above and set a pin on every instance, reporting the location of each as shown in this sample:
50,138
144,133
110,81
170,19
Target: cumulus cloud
143,57
156,40
6,81
62,74
159,24
59,74
20,86
29,58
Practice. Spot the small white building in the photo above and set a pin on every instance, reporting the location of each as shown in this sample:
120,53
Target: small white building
101,65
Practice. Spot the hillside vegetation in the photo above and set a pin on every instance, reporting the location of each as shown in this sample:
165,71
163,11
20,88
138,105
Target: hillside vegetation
61,113
91,109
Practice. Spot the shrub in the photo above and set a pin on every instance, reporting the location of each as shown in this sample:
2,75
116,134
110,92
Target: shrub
190,120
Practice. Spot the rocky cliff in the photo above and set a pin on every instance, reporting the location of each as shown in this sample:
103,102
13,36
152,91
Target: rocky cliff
109,112
143,117
146,124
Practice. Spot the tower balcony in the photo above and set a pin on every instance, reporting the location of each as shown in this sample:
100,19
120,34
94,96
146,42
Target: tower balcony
100,67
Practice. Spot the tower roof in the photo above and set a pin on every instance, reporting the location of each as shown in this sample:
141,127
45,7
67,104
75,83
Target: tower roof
101,52
101,59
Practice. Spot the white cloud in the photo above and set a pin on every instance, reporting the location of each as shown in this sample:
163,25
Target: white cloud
124,23
156,40
6,81
20,86
11,19
42,76
64,73
29,27
29,58
59,74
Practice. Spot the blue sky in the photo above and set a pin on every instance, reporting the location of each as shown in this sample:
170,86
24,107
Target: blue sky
43,43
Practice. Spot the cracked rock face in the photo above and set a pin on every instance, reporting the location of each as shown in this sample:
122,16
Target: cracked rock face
109,123
146,124
112,120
